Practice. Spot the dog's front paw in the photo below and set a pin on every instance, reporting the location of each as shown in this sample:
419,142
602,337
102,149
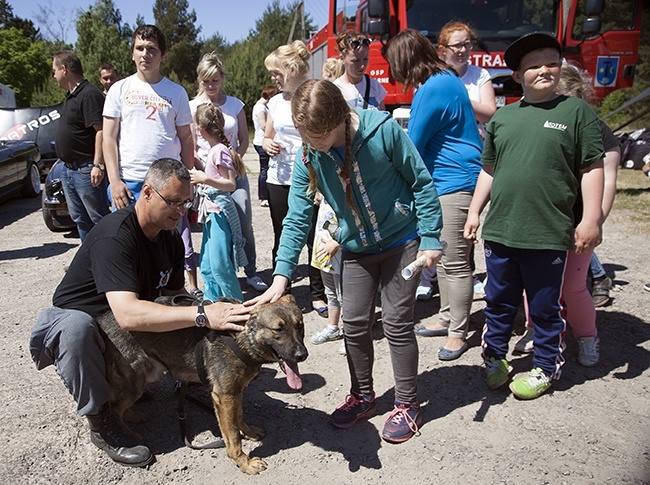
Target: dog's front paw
253,466
254,433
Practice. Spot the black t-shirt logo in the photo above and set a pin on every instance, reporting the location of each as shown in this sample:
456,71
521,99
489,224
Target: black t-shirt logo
164,279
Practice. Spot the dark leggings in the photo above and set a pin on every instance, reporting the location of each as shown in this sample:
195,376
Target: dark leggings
278,197
361,277
264,168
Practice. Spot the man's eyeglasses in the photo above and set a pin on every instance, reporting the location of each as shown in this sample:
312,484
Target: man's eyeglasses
458,47
175,205
356,44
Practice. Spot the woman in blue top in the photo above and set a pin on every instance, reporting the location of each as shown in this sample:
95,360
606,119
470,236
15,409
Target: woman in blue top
443,129
388,214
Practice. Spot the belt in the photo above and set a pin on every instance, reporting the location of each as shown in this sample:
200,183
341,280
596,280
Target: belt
77,165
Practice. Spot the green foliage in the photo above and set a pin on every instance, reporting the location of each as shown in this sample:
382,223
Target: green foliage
179,26
23,65
101,37
49,94
8,20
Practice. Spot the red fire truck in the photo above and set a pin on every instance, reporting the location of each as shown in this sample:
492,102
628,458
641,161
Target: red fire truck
601,36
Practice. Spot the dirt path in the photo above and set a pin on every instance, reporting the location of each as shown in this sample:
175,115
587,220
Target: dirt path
594,427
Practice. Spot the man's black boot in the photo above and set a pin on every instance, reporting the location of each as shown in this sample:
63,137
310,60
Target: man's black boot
108,435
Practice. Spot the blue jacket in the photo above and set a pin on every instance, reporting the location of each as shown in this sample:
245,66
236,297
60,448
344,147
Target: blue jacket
443,128
393,194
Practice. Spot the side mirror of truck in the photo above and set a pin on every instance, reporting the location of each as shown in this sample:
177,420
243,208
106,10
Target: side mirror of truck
591,26
377,27
377,8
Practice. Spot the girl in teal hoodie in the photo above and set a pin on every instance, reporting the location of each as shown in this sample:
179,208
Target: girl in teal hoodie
388,212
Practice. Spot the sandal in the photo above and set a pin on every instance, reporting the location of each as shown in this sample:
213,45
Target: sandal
600,292
196,293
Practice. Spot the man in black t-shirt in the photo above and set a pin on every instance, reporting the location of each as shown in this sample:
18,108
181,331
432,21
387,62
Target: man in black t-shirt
79,144
131,257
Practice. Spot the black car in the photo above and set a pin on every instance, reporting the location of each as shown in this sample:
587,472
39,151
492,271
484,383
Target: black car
55,208
20,172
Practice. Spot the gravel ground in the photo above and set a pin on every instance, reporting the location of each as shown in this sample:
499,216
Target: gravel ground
593,427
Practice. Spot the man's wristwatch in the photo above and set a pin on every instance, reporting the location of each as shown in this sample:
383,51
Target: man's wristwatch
100,166
201,320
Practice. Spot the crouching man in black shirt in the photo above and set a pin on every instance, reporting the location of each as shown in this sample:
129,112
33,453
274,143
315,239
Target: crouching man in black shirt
129,258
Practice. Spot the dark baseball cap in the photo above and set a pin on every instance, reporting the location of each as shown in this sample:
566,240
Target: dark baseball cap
528,43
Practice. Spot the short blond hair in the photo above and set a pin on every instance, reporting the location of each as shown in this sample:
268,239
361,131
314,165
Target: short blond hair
288,59
209,66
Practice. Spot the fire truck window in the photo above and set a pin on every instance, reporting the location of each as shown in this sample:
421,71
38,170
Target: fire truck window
497,22
618,15
346,15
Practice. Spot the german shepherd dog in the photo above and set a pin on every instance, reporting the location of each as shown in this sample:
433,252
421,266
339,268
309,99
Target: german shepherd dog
274,333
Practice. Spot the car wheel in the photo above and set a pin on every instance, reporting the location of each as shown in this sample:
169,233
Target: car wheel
32,183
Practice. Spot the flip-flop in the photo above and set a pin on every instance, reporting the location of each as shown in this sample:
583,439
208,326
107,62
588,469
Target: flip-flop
322,311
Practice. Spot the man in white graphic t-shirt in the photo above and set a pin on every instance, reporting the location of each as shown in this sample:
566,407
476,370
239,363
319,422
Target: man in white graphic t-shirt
146,117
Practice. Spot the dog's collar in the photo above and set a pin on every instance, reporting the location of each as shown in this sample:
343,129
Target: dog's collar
246,359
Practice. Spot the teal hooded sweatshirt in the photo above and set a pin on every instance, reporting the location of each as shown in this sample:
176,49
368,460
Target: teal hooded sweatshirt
394,196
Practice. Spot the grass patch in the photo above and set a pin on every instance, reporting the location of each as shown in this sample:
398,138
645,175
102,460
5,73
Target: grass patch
632,200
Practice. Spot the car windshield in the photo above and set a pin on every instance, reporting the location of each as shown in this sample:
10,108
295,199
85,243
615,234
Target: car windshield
497,22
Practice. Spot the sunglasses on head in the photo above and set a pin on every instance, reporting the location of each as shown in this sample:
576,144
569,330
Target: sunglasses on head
356,44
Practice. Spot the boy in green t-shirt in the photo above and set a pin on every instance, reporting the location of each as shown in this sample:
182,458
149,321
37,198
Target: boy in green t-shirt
537,152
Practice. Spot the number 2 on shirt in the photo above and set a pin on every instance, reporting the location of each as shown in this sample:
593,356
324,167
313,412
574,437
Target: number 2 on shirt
151,116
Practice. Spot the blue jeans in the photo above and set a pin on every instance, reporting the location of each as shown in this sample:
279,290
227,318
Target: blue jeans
596,267
86,204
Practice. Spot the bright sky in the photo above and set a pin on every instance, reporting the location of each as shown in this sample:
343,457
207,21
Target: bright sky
233,20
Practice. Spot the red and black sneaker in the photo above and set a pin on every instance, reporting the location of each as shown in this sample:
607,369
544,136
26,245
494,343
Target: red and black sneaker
355,407
403,422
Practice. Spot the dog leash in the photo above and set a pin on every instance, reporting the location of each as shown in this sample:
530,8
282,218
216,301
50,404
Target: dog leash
181,388
203,376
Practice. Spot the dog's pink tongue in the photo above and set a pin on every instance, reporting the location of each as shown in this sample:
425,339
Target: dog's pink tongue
293,374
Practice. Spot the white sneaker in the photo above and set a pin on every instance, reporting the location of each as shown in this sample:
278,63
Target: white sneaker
326,334
257,284
479,286
525,343
424,293
589,353
342,350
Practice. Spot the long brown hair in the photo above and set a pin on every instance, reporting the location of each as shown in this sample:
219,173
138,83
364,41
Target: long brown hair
209,118
319,107
413,59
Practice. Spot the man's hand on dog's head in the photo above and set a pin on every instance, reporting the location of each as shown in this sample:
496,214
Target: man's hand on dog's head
227,316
